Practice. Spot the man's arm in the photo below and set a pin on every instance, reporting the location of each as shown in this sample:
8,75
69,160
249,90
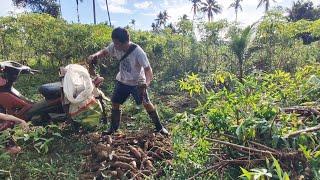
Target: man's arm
149,75
100,54
7,117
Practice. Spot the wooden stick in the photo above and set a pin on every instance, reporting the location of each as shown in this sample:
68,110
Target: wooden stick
296,133
243,147
302,108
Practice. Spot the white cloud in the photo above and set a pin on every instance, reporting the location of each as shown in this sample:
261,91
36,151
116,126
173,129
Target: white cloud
149,14
115,6
143,5
118,2
176,9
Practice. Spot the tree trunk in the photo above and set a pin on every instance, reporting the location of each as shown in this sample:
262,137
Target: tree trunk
241,70
78,12
94,11
108,12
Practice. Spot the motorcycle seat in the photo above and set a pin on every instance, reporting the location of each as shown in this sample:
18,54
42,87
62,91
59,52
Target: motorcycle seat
51,91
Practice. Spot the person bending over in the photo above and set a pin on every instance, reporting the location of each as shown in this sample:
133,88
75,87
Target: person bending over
134,76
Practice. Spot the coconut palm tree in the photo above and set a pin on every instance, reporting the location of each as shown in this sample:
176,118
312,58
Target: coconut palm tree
133,23
184,17
241,47
165,17
209,7
77,1
108,12
195,6
154,26
173,29
236,5
160,19
60,8
266,4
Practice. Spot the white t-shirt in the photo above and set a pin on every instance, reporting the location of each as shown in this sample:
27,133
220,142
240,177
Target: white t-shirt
131,69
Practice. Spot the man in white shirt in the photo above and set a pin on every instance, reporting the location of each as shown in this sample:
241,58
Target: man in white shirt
134,76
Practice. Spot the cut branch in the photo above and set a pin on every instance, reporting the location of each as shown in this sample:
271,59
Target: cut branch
301,110
296,133
243,148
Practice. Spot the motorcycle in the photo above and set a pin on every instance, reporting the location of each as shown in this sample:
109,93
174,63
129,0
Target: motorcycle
52,108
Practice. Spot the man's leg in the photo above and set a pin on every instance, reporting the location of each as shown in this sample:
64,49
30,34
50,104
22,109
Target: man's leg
115,119
120,94
141,96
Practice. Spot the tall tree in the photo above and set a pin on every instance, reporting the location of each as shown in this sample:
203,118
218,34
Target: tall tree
237,6
184,25
172,28
154,26
303,10
165,17
184,17
108,12
40,6
94,11
195,6
160,19
133,23
60,11
210,7
77,1
266,4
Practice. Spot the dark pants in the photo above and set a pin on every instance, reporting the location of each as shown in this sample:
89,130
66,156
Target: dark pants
122,92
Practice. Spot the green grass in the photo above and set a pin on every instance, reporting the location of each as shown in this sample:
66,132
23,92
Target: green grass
63,161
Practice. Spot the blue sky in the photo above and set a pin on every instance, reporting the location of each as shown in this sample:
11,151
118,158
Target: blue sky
145,11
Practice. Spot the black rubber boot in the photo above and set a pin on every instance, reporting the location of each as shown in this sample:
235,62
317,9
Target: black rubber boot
115,122
156,121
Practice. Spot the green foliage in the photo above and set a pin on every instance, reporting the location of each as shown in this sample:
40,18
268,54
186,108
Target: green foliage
62,162
303,10
41,138
40,6
262,173
251,111
239,45
255,174
190,155
42,39
192,84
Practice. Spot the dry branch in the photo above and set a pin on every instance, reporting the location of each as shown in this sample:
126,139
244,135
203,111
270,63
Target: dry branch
296,133
243,148
301,110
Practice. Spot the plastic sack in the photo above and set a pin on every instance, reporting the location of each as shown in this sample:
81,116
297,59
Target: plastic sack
77,84
89,115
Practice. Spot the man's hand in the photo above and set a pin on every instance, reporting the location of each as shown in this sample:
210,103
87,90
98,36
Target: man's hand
92,59
24,125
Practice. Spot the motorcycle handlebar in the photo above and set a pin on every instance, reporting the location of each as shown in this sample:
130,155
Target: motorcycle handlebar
28,70
33,71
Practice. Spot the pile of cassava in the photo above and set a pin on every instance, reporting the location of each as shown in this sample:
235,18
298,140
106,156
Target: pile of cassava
130,155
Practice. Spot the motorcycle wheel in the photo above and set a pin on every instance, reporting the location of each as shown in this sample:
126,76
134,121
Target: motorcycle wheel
41,120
